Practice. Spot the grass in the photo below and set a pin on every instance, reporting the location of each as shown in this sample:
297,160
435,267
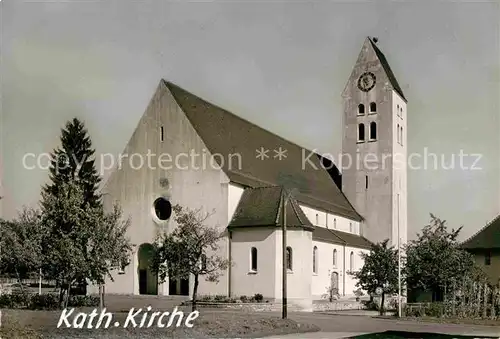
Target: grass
401,335
42,324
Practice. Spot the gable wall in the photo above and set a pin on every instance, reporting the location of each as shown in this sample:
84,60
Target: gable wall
193,184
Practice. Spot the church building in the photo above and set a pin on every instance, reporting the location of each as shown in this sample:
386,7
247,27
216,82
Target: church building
190,152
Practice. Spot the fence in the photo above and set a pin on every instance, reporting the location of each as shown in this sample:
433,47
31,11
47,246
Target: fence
31,281
475,301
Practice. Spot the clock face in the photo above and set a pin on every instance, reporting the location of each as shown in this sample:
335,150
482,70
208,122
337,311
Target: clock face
366,81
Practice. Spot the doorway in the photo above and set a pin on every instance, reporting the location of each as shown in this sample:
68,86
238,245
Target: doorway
178,287
148,280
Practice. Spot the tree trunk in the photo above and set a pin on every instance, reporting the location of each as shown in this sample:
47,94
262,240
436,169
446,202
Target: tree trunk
66,295
382,309
101,296
61,294
20,282
195,292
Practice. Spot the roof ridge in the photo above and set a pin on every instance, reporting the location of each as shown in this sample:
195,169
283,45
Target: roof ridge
481,229
280,206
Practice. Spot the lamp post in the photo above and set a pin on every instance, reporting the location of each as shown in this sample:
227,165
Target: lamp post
399,267
284,199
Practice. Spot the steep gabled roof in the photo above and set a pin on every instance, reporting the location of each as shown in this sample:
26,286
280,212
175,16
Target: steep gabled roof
225,133
487,238
262,207
388,70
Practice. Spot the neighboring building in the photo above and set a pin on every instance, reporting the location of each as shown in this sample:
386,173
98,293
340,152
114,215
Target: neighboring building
246,184
485,246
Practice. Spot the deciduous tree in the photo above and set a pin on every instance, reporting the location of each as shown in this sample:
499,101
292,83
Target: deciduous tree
380,270
435,262
20,244
192,249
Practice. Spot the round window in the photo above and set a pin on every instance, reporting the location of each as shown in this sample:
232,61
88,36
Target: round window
163,208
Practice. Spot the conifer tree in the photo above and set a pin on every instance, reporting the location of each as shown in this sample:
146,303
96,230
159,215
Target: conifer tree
74,159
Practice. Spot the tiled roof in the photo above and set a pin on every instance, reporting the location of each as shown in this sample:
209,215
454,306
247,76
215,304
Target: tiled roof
262,207
225,133
341,238
487,238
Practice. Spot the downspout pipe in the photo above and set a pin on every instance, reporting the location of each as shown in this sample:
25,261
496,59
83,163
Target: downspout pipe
343,284
230,236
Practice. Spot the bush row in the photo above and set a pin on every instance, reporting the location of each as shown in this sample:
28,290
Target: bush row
49,301
257,298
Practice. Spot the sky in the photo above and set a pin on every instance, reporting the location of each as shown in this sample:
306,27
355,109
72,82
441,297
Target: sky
279,64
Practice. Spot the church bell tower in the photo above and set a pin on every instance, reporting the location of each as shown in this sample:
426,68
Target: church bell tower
374,148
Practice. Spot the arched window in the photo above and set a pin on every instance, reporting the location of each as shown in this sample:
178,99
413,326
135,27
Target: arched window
401,136
289,258
373,107
335,223
399,139
373,130
361,132
350,227
253,259
352,262
361,109
334,258
317,219
315,260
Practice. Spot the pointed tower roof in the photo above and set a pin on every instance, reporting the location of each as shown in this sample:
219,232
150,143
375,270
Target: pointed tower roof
387,68
371,53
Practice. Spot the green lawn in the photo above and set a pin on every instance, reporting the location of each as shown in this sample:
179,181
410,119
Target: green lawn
42,324
401,335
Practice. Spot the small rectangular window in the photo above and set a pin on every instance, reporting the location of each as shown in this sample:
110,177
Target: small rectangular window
161,133
487,259
366,182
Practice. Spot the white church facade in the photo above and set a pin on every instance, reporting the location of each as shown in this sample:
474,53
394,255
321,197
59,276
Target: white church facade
190,152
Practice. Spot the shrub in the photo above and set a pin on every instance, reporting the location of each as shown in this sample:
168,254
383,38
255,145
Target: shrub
244,299
20,299
258,297
220,298
83,301
358,293
6,301
370,305
44,302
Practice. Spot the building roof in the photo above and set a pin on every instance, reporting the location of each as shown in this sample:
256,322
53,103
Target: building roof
262,207
225,133
388,70
339,237
487,238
